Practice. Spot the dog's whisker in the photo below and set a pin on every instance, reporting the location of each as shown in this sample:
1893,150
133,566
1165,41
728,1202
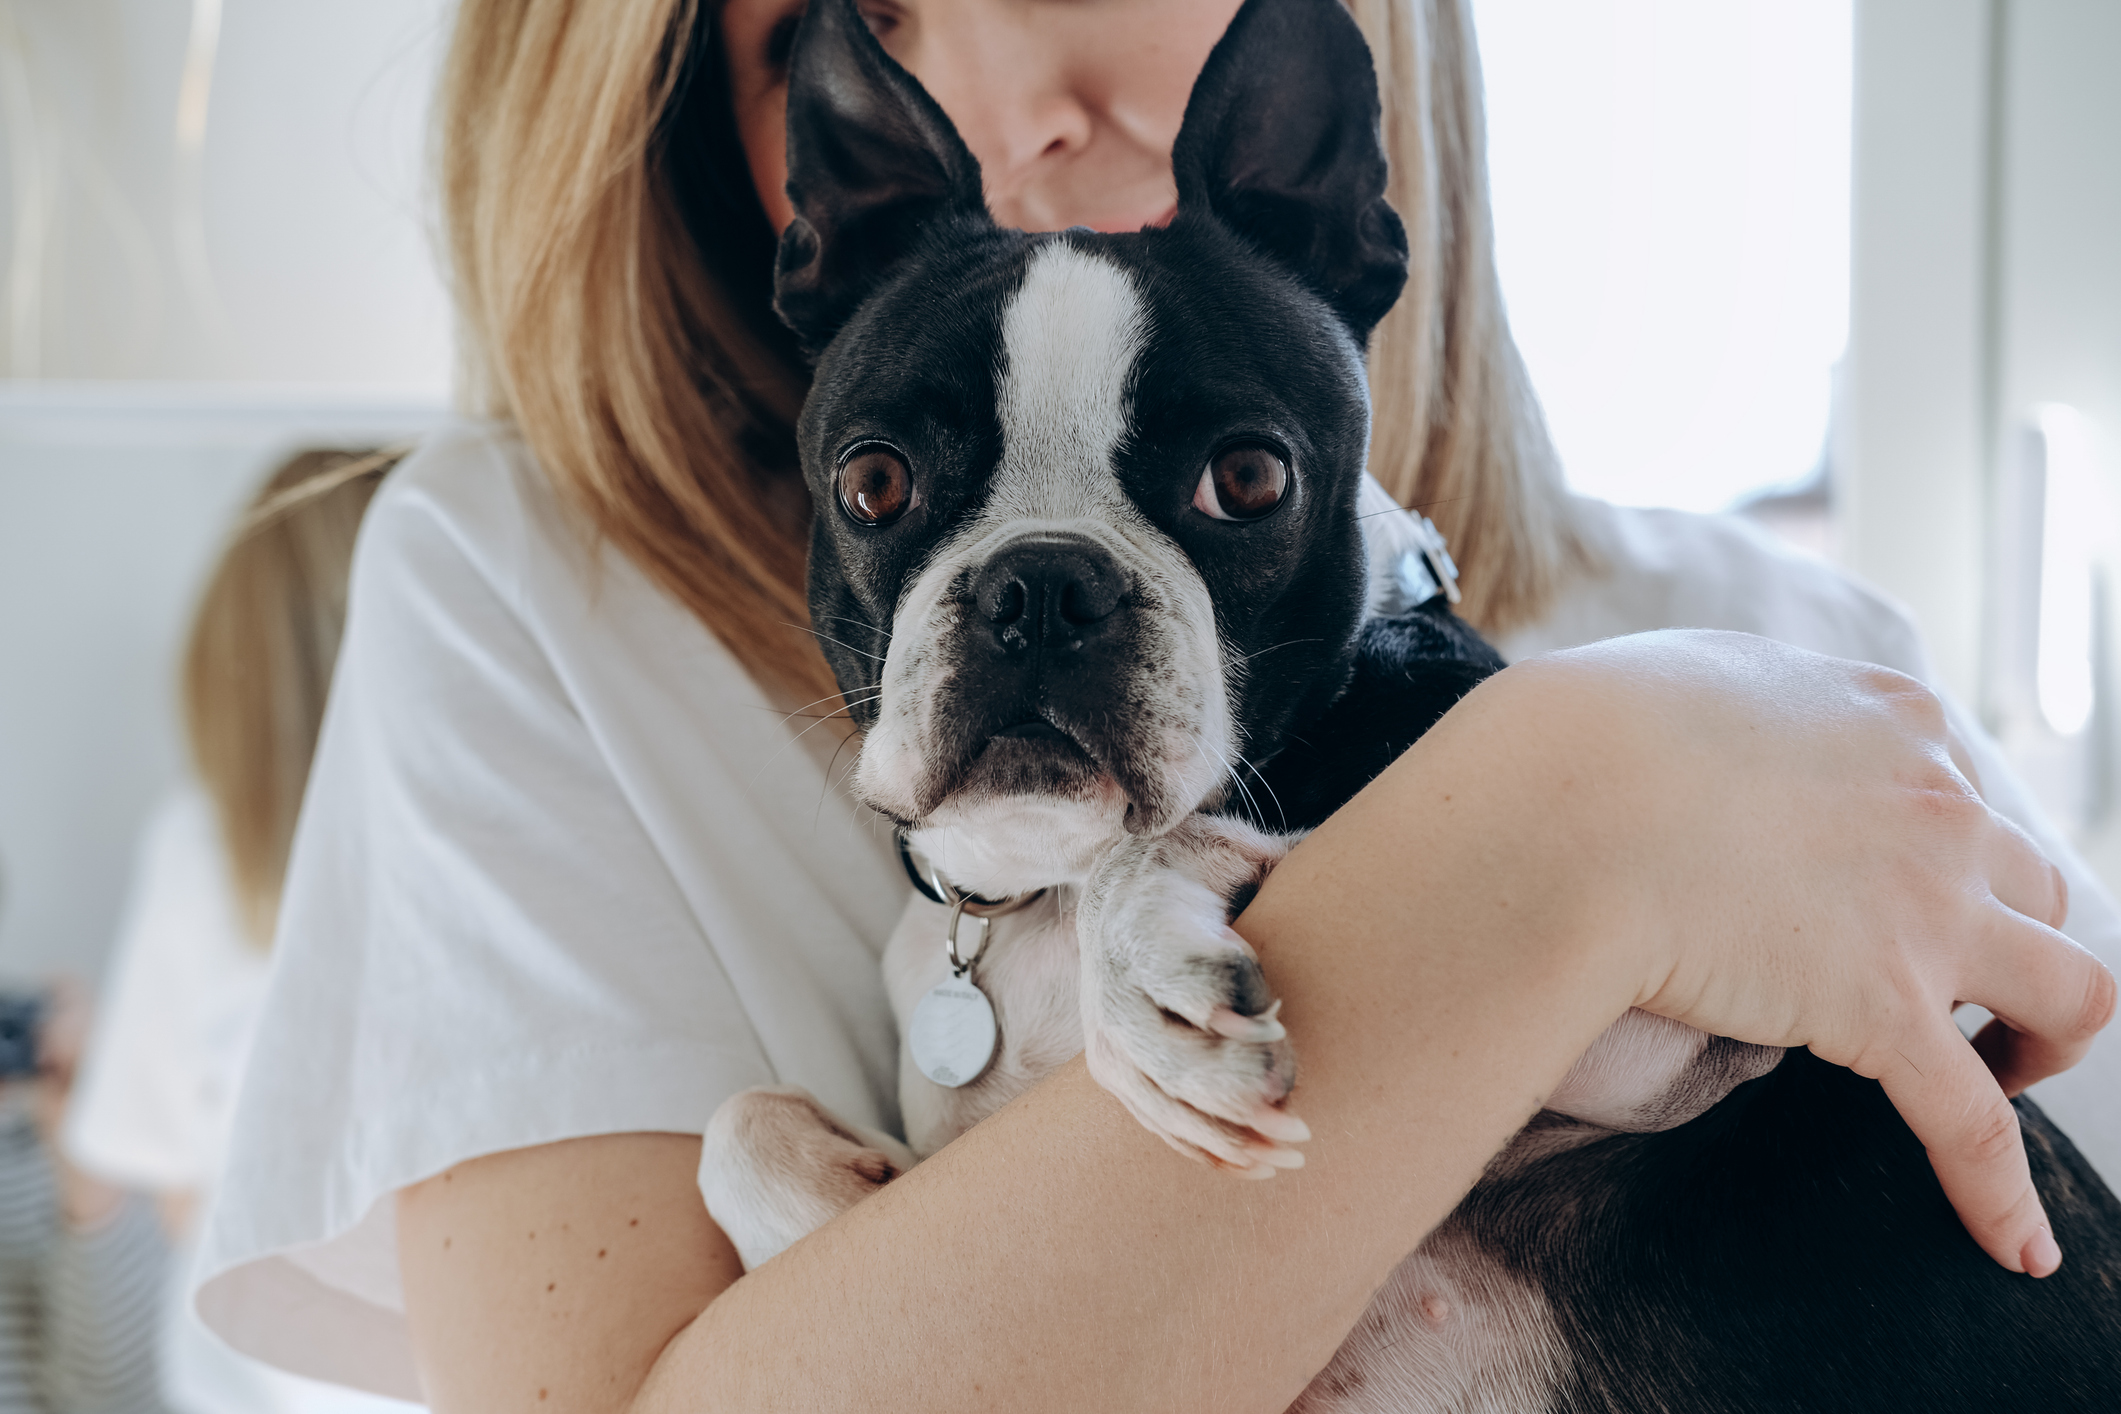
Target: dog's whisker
1251,801
847,706
825,789
1419,508
1285,643
828,638
810,704
858,623
1197,751
831,784
1268,787
1264,785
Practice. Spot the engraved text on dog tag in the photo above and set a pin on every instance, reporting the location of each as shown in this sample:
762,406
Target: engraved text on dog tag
952,1033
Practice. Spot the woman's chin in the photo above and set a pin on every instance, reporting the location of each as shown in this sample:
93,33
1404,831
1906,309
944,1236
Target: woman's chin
1107,222
1119,225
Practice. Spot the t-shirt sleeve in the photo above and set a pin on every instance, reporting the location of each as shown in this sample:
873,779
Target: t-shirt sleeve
482,944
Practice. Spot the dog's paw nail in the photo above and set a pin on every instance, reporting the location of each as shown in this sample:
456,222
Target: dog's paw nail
1263,1029
1281,1126
1275,1160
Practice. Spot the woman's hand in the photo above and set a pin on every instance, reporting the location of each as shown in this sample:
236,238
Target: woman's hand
1783,847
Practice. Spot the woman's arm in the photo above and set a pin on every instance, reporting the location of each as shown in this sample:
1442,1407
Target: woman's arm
1057,1257
1761,842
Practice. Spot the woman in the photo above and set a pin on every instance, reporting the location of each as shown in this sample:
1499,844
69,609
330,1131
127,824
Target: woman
565,882
188,974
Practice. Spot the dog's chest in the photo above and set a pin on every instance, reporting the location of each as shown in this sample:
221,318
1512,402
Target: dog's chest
1029,971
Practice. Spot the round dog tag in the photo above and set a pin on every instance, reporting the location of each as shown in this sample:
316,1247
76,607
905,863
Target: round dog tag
952,1033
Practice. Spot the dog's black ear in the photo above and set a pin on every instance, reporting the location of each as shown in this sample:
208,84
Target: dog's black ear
872,162
1281,142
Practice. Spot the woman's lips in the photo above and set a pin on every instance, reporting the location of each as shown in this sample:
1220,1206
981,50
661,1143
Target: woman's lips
1121,225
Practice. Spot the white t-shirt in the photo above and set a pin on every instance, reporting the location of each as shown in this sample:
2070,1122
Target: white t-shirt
157,1091
561,872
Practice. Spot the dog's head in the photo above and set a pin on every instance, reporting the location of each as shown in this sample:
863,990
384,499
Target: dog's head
1086,533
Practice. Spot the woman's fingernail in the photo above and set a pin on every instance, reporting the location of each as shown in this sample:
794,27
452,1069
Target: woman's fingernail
2041,1255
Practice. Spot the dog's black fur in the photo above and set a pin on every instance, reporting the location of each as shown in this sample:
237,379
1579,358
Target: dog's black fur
893,269
1792,1250
1789,1250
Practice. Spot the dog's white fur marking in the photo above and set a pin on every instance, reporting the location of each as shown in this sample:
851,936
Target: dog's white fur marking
1028,972
775,1165
1070,339
1071,336
1450,1332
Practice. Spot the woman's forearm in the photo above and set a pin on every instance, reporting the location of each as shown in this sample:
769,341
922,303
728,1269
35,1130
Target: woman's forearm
1060,1257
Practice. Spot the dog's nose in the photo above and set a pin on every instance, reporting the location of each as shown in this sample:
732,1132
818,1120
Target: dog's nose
1050,588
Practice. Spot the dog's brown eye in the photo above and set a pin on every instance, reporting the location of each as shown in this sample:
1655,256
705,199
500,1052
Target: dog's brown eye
876,486
1243,482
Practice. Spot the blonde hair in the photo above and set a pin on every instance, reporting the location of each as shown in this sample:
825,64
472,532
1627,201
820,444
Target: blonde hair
257,664
643,367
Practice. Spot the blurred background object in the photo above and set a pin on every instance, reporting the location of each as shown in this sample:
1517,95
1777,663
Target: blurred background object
161,1069
82,1261
114,499
1982,388
1847,266
214,248
1671,190
221,189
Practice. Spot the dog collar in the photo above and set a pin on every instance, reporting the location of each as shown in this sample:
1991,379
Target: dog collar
1408,559
1436,569
936,889
953,1032
1424,569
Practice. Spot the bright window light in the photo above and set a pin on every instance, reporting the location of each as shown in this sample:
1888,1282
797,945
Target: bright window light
1671,192
2070,522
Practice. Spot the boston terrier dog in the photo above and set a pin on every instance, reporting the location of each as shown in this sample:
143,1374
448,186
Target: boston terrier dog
1119,616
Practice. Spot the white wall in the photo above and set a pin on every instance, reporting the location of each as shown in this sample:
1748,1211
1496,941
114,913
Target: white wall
2058,307
268,286
113,501
290,244
1670,184
1987,217
1911,460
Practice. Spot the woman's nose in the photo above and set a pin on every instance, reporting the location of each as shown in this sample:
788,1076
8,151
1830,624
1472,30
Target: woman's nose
1008,96
1053,151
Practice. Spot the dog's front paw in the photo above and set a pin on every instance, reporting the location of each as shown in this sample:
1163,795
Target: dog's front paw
1178,1022
775,1165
